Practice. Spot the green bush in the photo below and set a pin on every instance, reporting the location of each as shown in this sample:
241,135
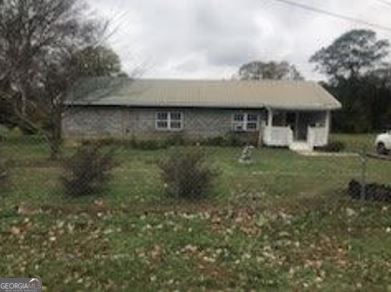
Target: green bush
156,144
231,139
3,175
88,170
334,146
219,141
187,174
176,140
108,141
234,140
4,132
132,143
149,145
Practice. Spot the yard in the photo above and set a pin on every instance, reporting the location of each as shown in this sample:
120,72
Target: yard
284,222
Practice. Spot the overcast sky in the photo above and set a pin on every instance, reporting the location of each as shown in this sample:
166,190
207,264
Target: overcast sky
211,38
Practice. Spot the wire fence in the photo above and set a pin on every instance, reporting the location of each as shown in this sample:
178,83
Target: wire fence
243,164
258,216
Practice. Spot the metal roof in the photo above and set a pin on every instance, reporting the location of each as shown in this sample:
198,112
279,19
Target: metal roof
300,95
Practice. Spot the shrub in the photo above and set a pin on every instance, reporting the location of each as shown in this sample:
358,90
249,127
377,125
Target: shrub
88,170
3,162
107,141
231,139
176,140
335,146
4,132
149,145
219,141
3,173
132,143
187,174
372,192
234,140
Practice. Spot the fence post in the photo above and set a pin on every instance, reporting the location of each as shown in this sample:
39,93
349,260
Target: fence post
364,160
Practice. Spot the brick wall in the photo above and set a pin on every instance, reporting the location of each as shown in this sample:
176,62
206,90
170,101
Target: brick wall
82,122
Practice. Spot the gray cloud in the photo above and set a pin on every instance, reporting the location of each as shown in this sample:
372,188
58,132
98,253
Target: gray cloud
212,38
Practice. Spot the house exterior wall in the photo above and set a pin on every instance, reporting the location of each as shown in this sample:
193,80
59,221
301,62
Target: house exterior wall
119,122
90,121
140,123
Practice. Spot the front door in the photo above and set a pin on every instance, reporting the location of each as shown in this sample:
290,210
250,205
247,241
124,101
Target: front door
291,122
298,122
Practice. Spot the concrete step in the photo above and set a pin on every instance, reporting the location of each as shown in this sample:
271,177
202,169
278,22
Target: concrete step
300,147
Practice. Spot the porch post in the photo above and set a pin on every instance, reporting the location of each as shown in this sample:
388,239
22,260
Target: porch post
268,129
270,118
328,125
297,125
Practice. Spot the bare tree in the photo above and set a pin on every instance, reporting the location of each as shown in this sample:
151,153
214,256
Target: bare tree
40,45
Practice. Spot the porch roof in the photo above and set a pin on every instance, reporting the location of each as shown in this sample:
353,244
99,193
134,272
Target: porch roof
290,95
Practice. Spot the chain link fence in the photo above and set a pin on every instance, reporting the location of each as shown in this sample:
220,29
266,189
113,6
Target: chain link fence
172,211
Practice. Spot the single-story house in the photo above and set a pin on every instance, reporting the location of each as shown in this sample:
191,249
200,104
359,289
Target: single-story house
277,113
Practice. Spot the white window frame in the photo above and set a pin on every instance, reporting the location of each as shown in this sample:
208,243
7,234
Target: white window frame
244,124
169,121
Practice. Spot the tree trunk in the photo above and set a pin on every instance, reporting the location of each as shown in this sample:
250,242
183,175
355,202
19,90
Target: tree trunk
56,136
55,150
23,96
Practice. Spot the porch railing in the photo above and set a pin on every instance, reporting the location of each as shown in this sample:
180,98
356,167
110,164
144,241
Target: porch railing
278,136
317,136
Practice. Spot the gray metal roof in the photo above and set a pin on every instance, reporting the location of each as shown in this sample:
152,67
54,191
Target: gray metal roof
203,93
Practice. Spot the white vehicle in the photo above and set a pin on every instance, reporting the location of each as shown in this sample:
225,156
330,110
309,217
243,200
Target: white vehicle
383,143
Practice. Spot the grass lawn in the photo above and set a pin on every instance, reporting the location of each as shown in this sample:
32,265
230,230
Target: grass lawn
356,143
282,223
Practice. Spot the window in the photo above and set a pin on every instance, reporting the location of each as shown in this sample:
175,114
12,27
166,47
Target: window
245,122
169,121
239,117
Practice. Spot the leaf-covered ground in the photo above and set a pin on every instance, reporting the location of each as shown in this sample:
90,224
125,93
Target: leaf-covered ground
332,245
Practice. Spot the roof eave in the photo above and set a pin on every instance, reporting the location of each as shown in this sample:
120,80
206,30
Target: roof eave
232,106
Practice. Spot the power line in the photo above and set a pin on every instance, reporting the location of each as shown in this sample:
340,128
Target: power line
336,15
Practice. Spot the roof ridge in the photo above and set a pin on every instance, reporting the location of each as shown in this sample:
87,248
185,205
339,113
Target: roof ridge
200,80
225,80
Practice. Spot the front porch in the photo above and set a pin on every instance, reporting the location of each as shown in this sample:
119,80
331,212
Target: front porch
296,129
